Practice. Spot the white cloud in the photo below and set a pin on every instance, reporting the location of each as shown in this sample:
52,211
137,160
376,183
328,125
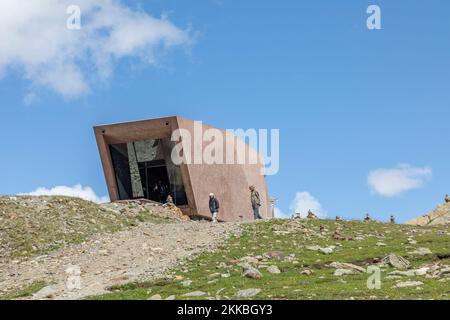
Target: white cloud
37,44
394,181
78,191
303,202
278,213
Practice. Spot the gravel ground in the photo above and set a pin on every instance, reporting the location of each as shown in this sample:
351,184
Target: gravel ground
144,252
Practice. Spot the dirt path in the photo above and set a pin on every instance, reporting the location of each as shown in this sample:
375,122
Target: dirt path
143,252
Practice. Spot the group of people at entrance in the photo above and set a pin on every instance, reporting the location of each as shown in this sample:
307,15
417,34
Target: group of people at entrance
255,200
161,191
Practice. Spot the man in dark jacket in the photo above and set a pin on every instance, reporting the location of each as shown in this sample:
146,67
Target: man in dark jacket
213,206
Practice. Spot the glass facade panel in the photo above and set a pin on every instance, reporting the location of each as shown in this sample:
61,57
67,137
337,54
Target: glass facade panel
144,169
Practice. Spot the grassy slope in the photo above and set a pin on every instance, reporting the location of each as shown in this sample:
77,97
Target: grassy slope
259,238
38,225
25,292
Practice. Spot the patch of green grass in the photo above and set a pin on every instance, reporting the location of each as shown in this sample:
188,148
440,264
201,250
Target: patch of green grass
25,292
38,225
286,236
146,216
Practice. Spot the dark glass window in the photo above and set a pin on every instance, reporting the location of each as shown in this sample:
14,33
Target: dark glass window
144,169
119,155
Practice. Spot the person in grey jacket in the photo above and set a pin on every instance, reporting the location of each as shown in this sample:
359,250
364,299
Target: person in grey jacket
256,202
213,207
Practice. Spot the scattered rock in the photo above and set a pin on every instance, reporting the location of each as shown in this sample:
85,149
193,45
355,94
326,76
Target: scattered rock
194,294
247,293
296,216
437,270
155,297
251,260
45,293
307,272
186,283
342,272
393,277
277,255
311,215
312,248
421,252
411,273
251,272
273,270
339,236
408,284
327,250
347,266
396,261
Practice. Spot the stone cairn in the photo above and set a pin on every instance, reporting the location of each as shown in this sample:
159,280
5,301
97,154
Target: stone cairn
311,215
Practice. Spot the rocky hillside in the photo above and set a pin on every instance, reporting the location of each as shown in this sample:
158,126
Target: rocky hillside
142,250
38,225
46,240
440,216
311,259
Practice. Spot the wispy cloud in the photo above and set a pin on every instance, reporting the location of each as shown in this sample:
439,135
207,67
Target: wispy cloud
395,181
37,44
78,191
303,202
278,213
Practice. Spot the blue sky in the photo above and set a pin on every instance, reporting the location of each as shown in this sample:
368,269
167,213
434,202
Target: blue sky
347,100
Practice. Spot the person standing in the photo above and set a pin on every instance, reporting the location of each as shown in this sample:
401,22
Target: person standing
256,202
214,206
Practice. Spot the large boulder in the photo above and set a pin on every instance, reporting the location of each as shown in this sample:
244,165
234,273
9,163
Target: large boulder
396,261
250,272
440,216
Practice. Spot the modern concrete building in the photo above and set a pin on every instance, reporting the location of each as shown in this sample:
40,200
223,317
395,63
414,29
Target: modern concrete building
139,161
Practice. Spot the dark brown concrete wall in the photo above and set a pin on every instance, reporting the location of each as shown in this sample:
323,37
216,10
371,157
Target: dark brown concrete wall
228,182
